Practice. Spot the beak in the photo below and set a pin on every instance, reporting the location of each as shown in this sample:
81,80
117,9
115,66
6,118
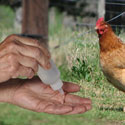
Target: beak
96,28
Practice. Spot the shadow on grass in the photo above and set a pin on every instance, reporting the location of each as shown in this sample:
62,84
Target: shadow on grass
3,123
111,109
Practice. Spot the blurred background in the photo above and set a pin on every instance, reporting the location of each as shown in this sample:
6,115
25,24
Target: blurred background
76,54
77,12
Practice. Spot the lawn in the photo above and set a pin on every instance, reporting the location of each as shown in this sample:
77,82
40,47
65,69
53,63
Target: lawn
78,61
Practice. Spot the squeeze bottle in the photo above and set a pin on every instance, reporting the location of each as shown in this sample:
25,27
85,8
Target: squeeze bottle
51,77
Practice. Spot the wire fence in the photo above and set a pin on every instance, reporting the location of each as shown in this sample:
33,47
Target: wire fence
87,32
115,12
112,8
92,2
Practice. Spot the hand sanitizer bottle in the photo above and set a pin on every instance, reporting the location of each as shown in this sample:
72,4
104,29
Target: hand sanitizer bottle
51,77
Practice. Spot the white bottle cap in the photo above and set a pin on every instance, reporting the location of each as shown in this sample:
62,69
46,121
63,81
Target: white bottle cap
57,85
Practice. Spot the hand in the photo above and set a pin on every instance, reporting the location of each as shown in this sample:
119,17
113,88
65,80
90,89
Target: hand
36,96
20,56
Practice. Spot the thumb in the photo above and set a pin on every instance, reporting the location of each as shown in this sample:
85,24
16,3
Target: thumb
70,87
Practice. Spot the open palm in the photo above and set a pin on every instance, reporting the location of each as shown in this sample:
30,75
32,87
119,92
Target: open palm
36,96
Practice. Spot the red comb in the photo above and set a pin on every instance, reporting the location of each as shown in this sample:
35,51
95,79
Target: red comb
99,20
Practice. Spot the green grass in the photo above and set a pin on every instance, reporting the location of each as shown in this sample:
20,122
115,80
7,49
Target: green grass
78,62
6,17
83,68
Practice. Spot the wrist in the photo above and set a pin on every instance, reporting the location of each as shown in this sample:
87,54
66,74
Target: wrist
7,90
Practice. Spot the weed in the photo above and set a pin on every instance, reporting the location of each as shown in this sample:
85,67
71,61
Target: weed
82,70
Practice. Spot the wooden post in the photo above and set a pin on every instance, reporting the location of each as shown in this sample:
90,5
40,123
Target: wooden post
101,8
35,18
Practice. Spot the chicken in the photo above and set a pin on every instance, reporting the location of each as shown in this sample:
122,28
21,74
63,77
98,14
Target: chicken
112,55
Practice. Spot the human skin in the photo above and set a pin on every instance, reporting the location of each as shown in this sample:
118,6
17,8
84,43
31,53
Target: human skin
20,56
33,95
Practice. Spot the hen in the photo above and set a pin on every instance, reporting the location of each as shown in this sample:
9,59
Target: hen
112,55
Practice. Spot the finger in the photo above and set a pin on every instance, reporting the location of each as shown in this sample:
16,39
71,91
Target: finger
26,50
35,53
4,72
58,109
18,58
77,110
74,99
5,68
33,42
29,51
28,62
51,107
70,87
23,72
4,62
87,106
10,67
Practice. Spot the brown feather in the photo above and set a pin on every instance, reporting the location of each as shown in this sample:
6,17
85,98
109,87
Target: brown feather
112,58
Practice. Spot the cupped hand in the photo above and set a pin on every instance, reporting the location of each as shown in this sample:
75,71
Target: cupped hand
34,95
20,56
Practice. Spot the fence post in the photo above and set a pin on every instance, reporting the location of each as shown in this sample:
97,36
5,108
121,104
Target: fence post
35,18
101,8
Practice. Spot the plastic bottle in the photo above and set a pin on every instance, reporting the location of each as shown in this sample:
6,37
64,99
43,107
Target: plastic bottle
51,77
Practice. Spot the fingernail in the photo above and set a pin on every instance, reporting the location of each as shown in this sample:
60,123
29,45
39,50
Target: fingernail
89,107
